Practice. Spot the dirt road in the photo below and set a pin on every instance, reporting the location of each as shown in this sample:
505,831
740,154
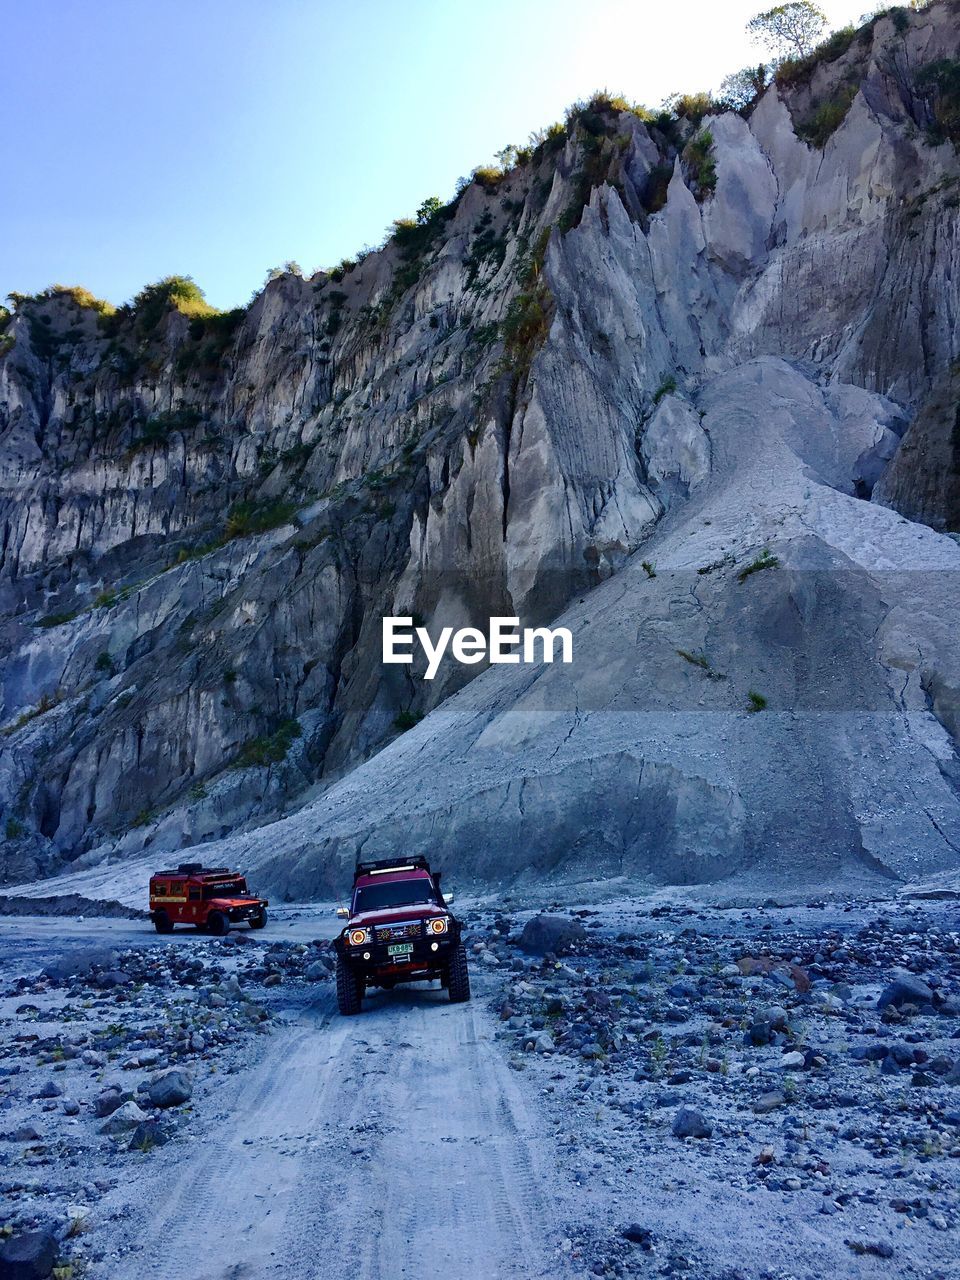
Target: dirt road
387,1145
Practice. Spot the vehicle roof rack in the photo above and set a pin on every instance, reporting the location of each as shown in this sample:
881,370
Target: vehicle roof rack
417,863
196,869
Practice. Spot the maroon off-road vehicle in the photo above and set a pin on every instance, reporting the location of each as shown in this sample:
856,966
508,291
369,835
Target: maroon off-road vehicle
399,929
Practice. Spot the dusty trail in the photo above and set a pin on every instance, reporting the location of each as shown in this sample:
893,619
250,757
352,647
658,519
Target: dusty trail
393,1144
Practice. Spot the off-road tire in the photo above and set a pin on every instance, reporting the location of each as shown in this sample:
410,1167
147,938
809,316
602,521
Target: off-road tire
259,921
458,977
162,922
349,989
217,924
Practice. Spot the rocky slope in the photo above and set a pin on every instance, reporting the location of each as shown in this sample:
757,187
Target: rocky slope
653,355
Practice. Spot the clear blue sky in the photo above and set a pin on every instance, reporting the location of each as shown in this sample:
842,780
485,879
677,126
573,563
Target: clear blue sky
219,138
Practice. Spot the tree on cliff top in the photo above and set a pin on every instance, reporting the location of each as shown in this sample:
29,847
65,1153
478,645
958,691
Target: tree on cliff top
789,30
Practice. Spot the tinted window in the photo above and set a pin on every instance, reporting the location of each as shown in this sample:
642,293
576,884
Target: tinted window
225,889
396,893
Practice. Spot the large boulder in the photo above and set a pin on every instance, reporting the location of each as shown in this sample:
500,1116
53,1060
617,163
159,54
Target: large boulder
80,962
170,1090
113,978
689,1123
551,935
31,1256
906,988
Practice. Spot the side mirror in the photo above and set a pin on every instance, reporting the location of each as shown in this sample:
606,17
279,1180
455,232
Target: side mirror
448,897
342,913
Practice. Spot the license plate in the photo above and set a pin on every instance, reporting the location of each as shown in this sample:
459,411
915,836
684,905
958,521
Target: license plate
400,949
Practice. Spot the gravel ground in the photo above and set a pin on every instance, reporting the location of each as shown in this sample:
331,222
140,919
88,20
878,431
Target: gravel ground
637,1089
108,1053
763,1093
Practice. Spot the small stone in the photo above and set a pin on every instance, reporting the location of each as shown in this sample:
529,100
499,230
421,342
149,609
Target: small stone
123,1120
792,1060
768,1102
26,1133
50,1090
107,1103
879,1248
150,1133
638,1235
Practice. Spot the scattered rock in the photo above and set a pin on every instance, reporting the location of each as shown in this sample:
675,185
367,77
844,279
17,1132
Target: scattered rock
550,935
80,962
636,1234
170,1090
787,974
689,1123
106,1103
879,1248
30,1256
906,988
25,1133
123,1120
148,1134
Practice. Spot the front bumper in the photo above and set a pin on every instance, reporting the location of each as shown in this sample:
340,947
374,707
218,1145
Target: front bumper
374,957
246,912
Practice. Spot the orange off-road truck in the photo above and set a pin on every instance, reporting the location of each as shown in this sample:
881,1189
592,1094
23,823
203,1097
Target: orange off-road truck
211,898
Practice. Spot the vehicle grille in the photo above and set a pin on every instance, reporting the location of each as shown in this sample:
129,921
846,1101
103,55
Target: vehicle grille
402,932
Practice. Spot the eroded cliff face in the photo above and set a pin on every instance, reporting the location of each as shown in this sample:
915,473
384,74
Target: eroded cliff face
206,518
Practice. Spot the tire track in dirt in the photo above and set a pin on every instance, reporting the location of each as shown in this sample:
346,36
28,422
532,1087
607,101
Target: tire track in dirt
388,1145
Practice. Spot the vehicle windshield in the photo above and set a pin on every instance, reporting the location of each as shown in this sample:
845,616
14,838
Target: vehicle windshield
226,889
395,893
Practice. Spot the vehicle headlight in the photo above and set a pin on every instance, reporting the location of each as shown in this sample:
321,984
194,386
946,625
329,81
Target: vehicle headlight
359,936
439,924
